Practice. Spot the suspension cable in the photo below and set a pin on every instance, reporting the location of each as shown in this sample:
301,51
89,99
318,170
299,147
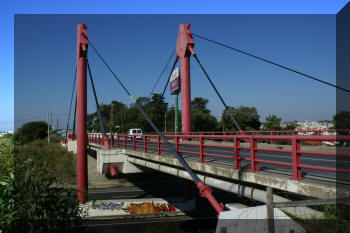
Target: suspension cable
217,92
75,114
161,73
205,191
96,100
167,82
71,102
166,85
273,63
172,149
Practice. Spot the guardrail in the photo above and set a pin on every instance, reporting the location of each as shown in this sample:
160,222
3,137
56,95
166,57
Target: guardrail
269,132
154,142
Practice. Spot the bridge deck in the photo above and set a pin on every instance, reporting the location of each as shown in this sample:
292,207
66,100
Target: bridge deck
318,184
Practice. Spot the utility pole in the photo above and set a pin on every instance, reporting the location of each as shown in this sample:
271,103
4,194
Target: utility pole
165,122
121,117
176,113
48,128
51,120
57,123
111,121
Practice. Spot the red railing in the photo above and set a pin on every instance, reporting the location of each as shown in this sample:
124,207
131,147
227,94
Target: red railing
203,142
317,132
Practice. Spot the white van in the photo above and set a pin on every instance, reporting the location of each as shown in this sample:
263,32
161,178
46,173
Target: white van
136,132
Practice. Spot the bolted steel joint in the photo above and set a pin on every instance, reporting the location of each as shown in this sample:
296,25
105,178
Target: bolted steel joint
204,190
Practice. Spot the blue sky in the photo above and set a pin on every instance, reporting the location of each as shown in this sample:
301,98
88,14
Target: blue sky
303,42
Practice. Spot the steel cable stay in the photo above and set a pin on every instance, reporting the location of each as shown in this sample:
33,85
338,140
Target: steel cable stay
161,73
166,85
96,100
75,115
205,191
71,102
273,63
216,91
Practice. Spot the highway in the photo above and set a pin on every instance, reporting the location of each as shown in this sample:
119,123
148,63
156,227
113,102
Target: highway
306,159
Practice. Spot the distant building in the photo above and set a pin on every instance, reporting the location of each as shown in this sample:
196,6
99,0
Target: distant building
311,125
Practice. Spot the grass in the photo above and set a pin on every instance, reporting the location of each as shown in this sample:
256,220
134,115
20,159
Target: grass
58,162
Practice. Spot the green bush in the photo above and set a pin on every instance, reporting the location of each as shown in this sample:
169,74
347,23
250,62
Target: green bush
31,131
28,203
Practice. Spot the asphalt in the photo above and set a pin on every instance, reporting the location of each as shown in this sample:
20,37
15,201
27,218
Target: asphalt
306,159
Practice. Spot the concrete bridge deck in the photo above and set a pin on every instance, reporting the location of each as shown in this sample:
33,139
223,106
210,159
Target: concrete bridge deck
323,185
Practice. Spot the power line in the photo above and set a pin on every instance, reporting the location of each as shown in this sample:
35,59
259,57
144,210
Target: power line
271,62
162,72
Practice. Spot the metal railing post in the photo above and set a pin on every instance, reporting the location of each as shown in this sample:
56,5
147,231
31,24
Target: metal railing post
225,136
177,146
271,141
134,142
125,142
145,144
237,153
296,159
319,143
253,155
201,150
159,146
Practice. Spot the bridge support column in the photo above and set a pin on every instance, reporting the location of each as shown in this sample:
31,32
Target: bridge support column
82,45
185,94
184,46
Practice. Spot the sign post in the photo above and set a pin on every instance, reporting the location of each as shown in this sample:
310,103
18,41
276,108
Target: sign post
174,90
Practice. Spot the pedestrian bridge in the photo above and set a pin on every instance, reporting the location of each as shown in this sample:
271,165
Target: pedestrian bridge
241,164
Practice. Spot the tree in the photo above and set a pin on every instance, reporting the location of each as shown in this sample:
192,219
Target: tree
201,119
341,120
200,104
31,131
246,117
156,110
118,111
272,123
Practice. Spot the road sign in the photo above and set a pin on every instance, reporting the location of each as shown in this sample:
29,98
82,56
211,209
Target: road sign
175,82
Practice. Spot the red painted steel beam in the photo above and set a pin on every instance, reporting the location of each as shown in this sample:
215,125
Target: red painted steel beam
184,44
82,45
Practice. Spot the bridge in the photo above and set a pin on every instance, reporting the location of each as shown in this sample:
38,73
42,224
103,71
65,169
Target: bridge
240,162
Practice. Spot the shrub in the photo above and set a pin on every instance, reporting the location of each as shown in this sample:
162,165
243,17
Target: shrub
31,131
28,203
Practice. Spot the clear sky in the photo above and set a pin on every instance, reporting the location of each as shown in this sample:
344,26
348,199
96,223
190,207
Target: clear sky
137,48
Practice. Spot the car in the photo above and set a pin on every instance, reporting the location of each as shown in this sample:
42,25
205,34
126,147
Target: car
135,132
